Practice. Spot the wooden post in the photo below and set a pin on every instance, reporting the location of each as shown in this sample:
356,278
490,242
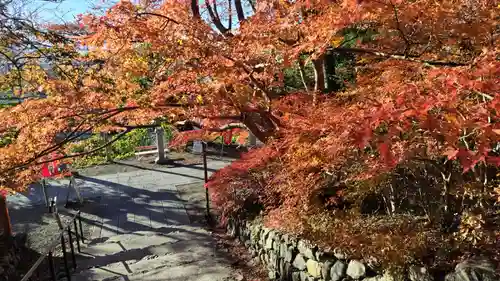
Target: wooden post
58,220
4,217
207,197
45,194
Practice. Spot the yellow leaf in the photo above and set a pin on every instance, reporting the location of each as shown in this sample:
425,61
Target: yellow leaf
199,99
451,118
363,60
336,41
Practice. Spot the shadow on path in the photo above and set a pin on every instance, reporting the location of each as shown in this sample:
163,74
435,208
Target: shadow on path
159,171
141,226
134,209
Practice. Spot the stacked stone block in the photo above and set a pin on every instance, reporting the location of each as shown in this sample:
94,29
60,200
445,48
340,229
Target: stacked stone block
290,259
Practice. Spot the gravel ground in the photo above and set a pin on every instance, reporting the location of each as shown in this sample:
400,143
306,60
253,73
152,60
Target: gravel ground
42,231
40,226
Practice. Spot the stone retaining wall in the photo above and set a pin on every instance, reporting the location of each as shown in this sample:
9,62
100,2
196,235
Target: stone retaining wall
289,258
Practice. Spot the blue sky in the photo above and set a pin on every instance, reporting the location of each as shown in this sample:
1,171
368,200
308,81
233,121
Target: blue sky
66,10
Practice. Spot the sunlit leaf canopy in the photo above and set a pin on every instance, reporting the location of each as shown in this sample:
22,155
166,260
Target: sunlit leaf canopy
425,69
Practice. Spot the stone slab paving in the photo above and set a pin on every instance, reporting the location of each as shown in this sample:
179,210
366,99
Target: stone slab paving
175,253
126,174
141,231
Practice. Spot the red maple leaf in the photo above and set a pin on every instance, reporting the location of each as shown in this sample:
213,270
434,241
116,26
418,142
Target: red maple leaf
493,160
386,154
451,153
228,137
361,138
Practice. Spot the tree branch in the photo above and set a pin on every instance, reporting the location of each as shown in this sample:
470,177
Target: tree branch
230,12
195,8
83,153
158,15
56,146
239,10
132,127
399,28
252,5
215,19
397,56
215,10
302,74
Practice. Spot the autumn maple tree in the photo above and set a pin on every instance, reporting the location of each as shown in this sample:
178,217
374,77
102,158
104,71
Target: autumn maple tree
381,85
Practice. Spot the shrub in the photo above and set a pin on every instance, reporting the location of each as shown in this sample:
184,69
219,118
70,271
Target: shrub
121,149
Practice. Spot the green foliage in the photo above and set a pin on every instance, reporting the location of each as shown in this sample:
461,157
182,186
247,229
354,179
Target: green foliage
355,34
144,82
292,79
169,134
121,149
339,67
220,139
8,137
4,141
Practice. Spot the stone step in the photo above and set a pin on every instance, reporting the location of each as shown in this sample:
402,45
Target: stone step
138,245
202,270
185,253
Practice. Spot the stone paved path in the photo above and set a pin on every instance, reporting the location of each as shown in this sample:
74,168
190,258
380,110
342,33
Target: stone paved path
140,228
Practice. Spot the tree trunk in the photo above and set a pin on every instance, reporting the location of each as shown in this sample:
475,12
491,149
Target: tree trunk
303,75
390,200
195,8
230,12
215,19
446,191
447,217
480,172
446,174
319,74
252,5
319,77
239,10
108,151
215,10
329,67
260,125
4,217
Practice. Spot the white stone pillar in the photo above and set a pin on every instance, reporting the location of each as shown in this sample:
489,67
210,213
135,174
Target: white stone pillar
108,147
160,146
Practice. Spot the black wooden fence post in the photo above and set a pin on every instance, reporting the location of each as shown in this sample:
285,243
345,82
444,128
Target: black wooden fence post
207,197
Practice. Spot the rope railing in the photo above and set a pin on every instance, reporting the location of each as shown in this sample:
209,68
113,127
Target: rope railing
34,272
